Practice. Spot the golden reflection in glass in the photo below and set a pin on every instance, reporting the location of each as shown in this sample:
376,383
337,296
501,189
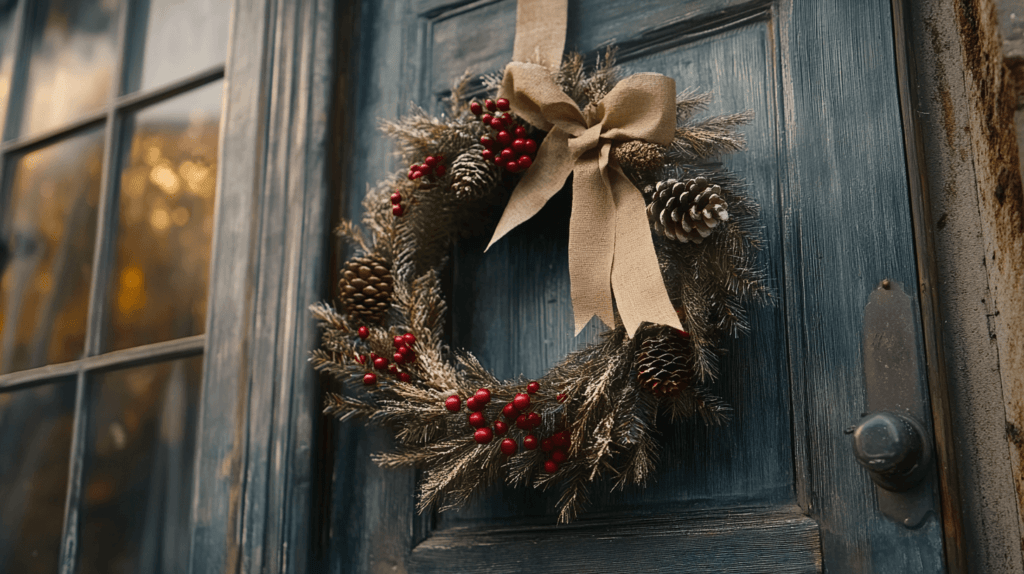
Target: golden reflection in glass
35,442
139,462
50,235
158,289
162,27
7,12
73,52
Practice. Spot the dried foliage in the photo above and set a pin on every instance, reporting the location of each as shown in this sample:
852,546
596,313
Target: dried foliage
590,405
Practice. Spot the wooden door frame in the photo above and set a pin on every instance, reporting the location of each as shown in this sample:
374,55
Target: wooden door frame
255,464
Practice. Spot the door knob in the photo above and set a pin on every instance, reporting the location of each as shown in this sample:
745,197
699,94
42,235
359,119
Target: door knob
893,448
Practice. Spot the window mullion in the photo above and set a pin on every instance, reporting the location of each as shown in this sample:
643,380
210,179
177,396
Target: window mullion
98,300
10,118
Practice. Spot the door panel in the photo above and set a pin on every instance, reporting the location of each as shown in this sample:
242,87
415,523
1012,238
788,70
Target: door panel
775,490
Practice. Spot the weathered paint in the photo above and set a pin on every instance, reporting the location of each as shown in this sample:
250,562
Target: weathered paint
993,91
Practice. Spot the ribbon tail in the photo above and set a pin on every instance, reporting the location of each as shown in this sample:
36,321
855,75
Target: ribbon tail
591,244
545,178
636,280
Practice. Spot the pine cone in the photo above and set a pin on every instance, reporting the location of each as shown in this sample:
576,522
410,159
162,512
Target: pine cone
665,363
472,175
366,286
685,210
639,155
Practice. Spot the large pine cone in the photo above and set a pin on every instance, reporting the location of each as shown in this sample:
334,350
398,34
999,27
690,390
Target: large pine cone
472,175
366,286
665,363
686,211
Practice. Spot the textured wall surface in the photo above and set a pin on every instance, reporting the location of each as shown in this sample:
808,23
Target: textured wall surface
946,34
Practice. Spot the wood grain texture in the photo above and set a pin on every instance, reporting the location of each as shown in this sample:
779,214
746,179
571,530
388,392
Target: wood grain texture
777,540
252,503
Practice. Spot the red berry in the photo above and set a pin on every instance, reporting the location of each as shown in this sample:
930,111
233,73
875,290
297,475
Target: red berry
521,401
476,108
483,395
523,422
396,198
506,154
558,456
474,404
453,403
409,339
560,439
529,442
506,120
533,419
508,446
439,171
487,155
512,166
483,435
404,377
498,160
497,124
519,145
361,359
374,357
533,387
490,105
415,174
380,363
486,119
500,428
397,210
550,467
510,412
502,104
426,169
393,369
504,138
477,419
402,349
487,141
398,341
546,446
364,332
560,397
369,379
520,132
524,162
398,358
531,147
430,161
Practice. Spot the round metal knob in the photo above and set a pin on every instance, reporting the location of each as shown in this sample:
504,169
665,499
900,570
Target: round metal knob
893,448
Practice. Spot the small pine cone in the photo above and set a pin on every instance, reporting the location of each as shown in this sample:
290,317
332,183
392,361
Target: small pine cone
472,175
366,286
686,211
665,363
639,155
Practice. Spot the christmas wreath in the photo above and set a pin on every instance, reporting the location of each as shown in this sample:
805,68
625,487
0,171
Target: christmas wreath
594,415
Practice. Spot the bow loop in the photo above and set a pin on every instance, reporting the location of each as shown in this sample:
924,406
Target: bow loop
610,246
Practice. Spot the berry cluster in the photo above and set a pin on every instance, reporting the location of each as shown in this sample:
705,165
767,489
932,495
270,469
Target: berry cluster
431,166
403,354
514,411
509,148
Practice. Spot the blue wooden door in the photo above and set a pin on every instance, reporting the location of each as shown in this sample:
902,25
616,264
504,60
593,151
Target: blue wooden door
777,490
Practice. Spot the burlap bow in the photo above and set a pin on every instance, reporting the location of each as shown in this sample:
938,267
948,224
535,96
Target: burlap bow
610,246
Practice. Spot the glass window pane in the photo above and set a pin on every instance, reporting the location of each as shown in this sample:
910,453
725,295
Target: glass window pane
35,441
8,8
72,58
138,480
50,233
179,37
158,290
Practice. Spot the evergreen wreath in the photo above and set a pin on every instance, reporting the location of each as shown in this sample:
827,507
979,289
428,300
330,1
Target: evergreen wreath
594,414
